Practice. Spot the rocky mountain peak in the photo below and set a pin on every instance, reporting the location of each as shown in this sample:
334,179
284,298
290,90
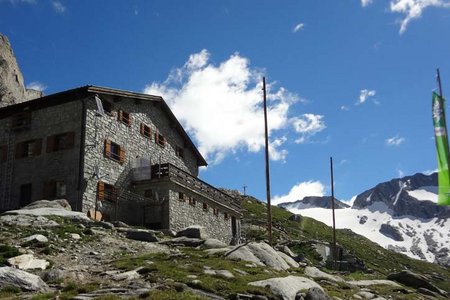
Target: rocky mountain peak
12,88
314,201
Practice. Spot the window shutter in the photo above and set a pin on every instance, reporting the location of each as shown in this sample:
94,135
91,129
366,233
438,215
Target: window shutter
50,143
107,148
142,129
130,120
19,150
37,147
70,140
114,194
120,115
122,155
49,190
100,190
4,153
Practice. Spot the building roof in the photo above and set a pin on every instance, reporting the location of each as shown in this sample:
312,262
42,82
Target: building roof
89,90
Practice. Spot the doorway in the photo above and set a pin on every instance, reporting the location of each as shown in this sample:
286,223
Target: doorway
25,194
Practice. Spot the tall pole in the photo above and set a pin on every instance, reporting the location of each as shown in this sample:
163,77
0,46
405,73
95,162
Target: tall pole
266,136
438,78
332,207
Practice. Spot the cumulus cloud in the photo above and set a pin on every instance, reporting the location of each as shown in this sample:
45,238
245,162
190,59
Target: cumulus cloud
412,9
364,95
299,191
307,125
395,141
221,106
36,85
58,7
365,3
298,27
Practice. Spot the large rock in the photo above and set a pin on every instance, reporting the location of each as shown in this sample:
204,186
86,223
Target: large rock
28,262
184,241
12,88
141,235
35,239
21,279
414,280
316,294
213,244
391,232
195,231
242,253
366,283
315,273
27,221
287,287
59,203
50,211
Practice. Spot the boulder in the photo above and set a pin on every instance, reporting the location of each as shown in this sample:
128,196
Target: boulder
267,255
242,253
50,211
28,262
316,294
287,287
195,231
27,221
36,239
141,235
213,244
21,279
296,218
315,273
290,261
365,283
53,275
184,241
219,273
59,203
414,280
391,232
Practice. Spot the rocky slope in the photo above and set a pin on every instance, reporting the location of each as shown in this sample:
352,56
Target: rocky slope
314,201
47,252
400,214
12,88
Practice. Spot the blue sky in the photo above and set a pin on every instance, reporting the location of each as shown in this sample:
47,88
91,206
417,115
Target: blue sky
350,79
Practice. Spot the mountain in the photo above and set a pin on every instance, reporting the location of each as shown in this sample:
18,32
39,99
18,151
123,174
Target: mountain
314,201
401,214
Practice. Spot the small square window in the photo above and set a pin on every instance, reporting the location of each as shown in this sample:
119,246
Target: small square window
28,148
192,201
124,117
216,211
114,151
106,192
160,139
107,107
21,120
54,189
226,216
205,206
61,141
146,130
181,197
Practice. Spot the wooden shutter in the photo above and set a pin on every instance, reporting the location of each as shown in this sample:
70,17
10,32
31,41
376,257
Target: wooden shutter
37,147
50,143
130,120
142,129
114,194
120,115
19,150
70,140
100,191
107,148
121,154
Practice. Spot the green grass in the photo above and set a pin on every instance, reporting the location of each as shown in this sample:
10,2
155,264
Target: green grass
6,252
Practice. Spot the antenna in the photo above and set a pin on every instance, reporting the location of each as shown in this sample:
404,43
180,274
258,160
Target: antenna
100,111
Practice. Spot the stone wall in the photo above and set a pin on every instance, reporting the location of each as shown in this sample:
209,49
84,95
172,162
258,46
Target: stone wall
99,128
59,165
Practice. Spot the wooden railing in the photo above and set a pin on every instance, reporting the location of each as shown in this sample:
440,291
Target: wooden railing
177,175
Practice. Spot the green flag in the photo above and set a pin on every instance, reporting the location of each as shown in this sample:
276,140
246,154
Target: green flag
441,137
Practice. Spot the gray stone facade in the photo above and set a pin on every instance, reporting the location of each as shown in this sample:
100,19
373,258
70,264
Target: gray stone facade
105,149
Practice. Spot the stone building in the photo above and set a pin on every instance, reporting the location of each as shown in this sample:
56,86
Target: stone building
113,154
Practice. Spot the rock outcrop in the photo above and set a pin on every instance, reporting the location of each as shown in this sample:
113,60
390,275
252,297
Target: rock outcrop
12,88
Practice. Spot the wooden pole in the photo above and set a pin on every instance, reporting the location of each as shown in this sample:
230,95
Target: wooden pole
438,78
332,207
266,135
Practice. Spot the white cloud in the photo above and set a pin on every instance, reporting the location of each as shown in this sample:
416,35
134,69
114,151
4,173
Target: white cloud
307,125
364,95
412,9
395,141
299,191
400,173
365,3
36,85
351,201
221,106
58,7
298,27
345,108
429,172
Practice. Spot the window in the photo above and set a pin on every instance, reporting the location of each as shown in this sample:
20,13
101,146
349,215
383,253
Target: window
54,189
146,131
22,120
28,148
107,107
61,141
226,216
216,211
3,153
106,192
148,193
192,201
124,117
181,197
160,139
205,206
179,152
114,151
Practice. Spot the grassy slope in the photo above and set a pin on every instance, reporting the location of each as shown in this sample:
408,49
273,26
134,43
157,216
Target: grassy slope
380,260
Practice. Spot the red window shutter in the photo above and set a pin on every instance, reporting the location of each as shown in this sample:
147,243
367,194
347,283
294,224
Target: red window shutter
19,150
122,155
120,115
37,147
130,120
107,148
50,143
70,140
100,190
142,129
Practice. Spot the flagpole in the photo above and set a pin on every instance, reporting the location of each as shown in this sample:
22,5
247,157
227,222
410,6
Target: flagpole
439,82
332,207
266,136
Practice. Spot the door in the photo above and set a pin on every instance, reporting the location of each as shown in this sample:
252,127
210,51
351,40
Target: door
233,226
25,194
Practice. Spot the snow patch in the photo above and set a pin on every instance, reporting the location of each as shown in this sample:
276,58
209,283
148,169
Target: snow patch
429,193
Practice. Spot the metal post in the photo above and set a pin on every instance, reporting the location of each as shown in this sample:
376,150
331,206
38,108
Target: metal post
266,135
438,78
332,207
